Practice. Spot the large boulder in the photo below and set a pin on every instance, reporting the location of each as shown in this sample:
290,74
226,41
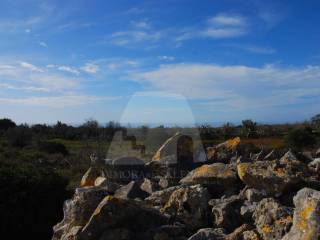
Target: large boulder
250,235
218,175
209,234
272,219
226,212
223,151
78,210
148,186
160,198
189,205
237,233
90,177
167,232
178,145
306,219
318,153
115,213
272,176
131,190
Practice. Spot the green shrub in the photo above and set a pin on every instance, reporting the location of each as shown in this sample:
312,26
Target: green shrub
31,201
53,147
20,136
299,139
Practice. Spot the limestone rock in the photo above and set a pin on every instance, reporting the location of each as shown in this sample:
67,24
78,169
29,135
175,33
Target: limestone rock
221,176
254,195
209,234
190,206
78,210
272,219
148,186
160,198
222,152
167,232
250,235
226,212
72,233
247,210
90,176
178,145
271,176
306,219
288,157
114,213
100,181
131,190
318,153
237,233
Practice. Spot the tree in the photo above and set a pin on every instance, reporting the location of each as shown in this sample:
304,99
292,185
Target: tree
227,130
315,121
249,127
299,139
6,123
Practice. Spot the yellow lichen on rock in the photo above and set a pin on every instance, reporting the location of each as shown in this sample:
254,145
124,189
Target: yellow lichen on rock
304,216
242,170
90,177
266,228
233,143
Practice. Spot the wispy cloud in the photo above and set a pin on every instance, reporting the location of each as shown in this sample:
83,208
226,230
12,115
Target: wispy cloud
68,69
143,24
166,58
130,37
90,68
252,48
43,44
224,19
220,26
23,88
32,77
236,86
31,67
56,101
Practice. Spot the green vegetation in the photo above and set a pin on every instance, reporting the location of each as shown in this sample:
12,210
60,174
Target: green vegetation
41,164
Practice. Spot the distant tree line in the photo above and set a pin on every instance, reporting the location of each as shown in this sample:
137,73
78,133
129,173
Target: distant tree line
21,135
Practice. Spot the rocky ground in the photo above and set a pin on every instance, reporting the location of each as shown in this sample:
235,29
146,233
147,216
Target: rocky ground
231,195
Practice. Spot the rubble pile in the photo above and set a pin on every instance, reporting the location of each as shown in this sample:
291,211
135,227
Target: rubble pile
226,197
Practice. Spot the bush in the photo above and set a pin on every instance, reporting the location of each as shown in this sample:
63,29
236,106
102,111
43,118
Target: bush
53,147
299,139
31,201
20,136
5,124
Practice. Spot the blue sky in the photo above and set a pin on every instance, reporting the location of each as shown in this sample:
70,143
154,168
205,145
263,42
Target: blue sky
169,61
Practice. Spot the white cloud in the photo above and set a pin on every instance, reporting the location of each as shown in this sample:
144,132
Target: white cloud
123,38
220,26
30,67
223,19
24,88
68,69
90,68
43,44
56,101
29,75
27,30
144,24
236,86
252,48
167,58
